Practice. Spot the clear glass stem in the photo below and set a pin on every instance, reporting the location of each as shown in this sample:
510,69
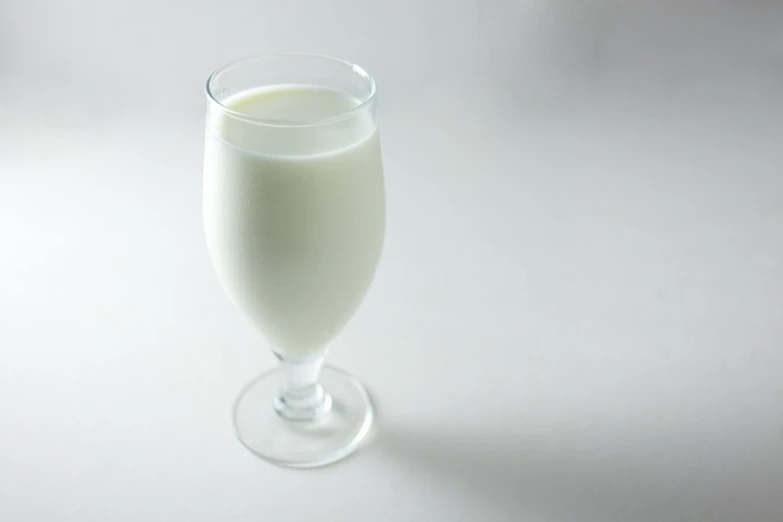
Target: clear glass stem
302,398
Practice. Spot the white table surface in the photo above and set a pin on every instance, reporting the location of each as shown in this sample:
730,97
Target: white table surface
578,316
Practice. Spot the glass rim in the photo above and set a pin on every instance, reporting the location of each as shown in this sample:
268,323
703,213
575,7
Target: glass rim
342,115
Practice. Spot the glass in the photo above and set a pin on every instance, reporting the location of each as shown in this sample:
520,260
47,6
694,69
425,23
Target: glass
294,218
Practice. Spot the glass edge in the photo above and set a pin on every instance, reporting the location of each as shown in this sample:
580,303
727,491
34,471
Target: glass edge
273,123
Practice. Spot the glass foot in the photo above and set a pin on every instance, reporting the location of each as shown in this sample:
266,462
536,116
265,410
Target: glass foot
333,435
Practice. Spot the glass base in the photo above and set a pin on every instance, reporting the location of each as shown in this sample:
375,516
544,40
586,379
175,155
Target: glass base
303,443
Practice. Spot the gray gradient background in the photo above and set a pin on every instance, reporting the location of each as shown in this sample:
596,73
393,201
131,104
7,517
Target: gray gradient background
579,312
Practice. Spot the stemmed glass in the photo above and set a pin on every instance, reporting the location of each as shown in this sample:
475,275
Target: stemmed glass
294,218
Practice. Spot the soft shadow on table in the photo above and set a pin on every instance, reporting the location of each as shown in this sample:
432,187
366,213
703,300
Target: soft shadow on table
613,479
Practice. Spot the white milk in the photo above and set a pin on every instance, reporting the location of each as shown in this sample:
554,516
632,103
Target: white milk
294,215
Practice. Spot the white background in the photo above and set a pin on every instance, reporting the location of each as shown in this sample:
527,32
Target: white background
579,312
